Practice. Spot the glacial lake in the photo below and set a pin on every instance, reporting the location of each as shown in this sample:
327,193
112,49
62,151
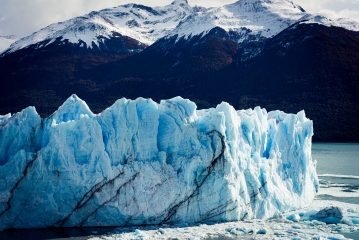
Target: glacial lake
337,167
336,158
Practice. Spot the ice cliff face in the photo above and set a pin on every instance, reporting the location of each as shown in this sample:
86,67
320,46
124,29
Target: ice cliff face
139,162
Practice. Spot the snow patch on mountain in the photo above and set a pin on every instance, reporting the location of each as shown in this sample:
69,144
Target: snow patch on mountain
6,41
142,23
322,19
265,18
142,163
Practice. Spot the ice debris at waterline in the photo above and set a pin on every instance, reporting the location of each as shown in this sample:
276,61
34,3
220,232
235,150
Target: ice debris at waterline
290,226
139,163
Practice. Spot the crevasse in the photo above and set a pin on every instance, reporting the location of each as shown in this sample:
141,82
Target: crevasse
139,162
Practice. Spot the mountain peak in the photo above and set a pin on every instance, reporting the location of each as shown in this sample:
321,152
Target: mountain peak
180,1
259,5
141,23
6,41
264,18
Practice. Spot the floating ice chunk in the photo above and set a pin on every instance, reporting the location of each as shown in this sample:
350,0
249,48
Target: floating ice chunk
262,231
236,232
330,215
294,217
351,210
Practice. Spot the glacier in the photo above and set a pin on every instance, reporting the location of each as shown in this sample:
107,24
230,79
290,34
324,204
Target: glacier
142,163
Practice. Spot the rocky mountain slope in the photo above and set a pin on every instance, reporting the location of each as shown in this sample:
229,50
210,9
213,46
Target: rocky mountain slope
252,52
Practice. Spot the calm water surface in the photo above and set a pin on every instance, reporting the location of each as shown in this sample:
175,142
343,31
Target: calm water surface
339,163
337,158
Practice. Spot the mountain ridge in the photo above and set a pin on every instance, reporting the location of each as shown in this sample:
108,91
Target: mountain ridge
6,41
141,23
312,64
148,24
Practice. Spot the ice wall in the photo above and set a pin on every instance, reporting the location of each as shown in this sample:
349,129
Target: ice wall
139,162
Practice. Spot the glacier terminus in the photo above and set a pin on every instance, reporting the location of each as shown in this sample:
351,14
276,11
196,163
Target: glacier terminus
140,163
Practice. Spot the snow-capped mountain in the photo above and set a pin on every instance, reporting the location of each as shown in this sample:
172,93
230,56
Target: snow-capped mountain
258,18
142,23
6,41
252,52
261,17
347,23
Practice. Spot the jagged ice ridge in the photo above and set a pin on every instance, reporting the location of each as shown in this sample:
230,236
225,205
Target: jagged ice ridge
140,162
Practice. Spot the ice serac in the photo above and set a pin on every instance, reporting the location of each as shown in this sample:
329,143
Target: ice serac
140,162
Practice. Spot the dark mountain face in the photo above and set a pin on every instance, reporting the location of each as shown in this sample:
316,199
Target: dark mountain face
36,76
307,66
310,67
